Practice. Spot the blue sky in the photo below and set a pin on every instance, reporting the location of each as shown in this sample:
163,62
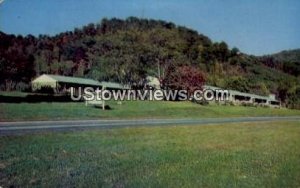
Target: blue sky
254,26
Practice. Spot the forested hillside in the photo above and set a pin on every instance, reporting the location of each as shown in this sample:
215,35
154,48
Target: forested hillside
287,61
128,50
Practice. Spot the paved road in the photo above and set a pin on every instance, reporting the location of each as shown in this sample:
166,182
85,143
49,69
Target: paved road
16,128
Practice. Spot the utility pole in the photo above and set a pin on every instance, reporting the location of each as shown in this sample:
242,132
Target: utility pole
158,69
103,101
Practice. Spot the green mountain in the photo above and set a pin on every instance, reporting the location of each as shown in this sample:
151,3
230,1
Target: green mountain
287,56
128,50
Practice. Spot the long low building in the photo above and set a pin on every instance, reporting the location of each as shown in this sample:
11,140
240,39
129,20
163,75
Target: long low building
238,97
61,84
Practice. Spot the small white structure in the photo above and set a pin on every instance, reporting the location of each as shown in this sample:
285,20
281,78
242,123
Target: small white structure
153,82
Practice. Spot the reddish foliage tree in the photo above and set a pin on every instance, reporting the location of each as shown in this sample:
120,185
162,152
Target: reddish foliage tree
184,77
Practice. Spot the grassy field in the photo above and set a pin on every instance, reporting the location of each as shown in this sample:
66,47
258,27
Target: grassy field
231,155
13,111
130,109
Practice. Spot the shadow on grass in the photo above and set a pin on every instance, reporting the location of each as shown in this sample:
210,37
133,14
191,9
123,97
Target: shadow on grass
35,98
106,107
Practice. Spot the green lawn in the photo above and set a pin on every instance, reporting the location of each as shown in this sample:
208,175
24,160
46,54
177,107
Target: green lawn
14,93
231,155
130,109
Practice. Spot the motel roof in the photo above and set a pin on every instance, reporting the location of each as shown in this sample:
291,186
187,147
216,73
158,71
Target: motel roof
234,92
50,79
114,85
65,79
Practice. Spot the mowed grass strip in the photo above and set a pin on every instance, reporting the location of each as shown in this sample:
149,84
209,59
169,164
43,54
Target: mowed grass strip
230,155
130,110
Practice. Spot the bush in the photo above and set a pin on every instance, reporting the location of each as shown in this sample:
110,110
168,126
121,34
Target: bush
46,89
21,86
202,102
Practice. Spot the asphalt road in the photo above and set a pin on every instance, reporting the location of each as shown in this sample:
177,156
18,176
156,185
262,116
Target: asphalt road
29,127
